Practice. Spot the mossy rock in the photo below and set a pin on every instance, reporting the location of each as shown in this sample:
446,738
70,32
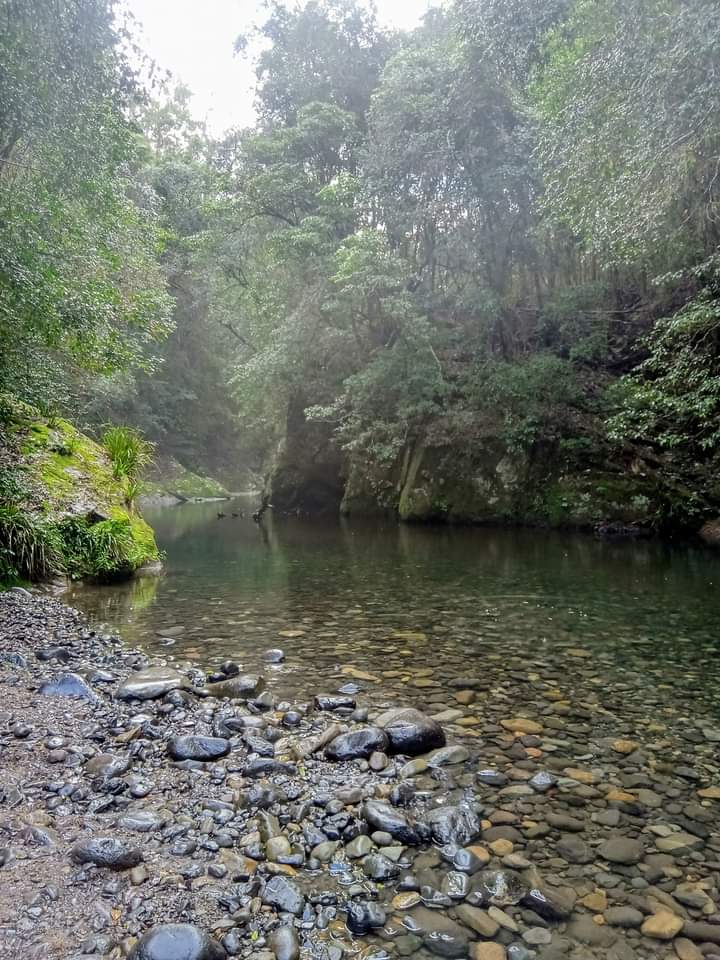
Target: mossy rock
69,486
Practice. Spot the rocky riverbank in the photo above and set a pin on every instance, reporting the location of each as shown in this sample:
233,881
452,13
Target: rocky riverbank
153,811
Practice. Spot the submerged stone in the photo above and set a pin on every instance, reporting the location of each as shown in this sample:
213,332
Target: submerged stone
68,685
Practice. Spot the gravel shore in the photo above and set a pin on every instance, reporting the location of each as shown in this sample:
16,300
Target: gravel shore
155,812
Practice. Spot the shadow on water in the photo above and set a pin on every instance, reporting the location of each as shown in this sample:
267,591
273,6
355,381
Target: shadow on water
232,588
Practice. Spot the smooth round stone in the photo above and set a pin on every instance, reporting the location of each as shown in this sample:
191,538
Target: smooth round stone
411,732
277,847
487,951
662,925
284,943
194,747
106,852
357,744
477,920
363,917
359,847
448,755
619,849
177,941
107,765
151,683
283,895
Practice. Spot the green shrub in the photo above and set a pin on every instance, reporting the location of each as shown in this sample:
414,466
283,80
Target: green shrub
101,551
131,454
31,547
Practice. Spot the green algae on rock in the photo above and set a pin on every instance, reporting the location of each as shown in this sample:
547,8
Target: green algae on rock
64,511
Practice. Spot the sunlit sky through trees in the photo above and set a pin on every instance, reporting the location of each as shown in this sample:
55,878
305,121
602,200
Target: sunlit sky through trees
194,40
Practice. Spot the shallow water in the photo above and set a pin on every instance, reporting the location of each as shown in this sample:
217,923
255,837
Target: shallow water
416,608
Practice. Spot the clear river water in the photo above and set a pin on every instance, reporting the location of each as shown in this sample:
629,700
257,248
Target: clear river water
415,606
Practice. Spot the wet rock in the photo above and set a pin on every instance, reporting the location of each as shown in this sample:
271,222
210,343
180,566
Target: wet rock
411,732
551,903
448,755
177,941
574,850
245,686
477,920
284,943
274,655
662,925
364,916
381,816
453,824
358,744
502,888
619,849
441,935
336,702
151,683
284,896
194,747
623,917
106,852
359,847
68,685
379,867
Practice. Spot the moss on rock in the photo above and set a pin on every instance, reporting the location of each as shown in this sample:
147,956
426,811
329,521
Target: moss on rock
61,478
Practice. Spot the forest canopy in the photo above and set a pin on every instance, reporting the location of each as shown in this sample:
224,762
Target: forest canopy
500,228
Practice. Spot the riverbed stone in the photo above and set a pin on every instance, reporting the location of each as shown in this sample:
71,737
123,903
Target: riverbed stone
245,686
620,849
284,895
106,852
411,732
662,925
177,941
284,943
151,683
68,685
357,744
195,747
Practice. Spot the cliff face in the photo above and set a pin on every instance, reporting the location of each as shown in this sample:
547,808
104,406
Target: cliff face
492,484
63,510
479,482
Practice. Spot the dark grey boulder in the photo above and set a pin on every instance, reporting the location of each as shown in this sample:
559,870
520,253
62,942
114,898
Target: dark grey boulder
358,744
177,941
411,732
195,747
106,852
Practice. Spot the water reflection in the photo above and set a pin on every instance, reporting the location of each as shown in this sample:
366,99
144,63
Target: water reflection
235,587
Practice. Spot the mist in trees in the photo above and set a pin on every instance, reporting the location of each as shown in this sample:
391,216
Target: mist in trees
501,225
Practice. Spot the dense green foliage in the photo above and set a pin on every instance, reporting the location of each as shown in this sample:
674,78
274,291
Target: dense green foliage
498,231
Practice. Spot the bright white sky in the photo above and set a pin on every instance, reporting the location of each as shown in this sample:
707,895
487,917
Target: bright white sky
194,40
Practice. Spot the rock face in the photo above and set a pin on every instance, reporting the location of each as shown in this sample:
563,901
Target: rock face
357,744
411,732
106,852
151,683
243,687
200,748
177,941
